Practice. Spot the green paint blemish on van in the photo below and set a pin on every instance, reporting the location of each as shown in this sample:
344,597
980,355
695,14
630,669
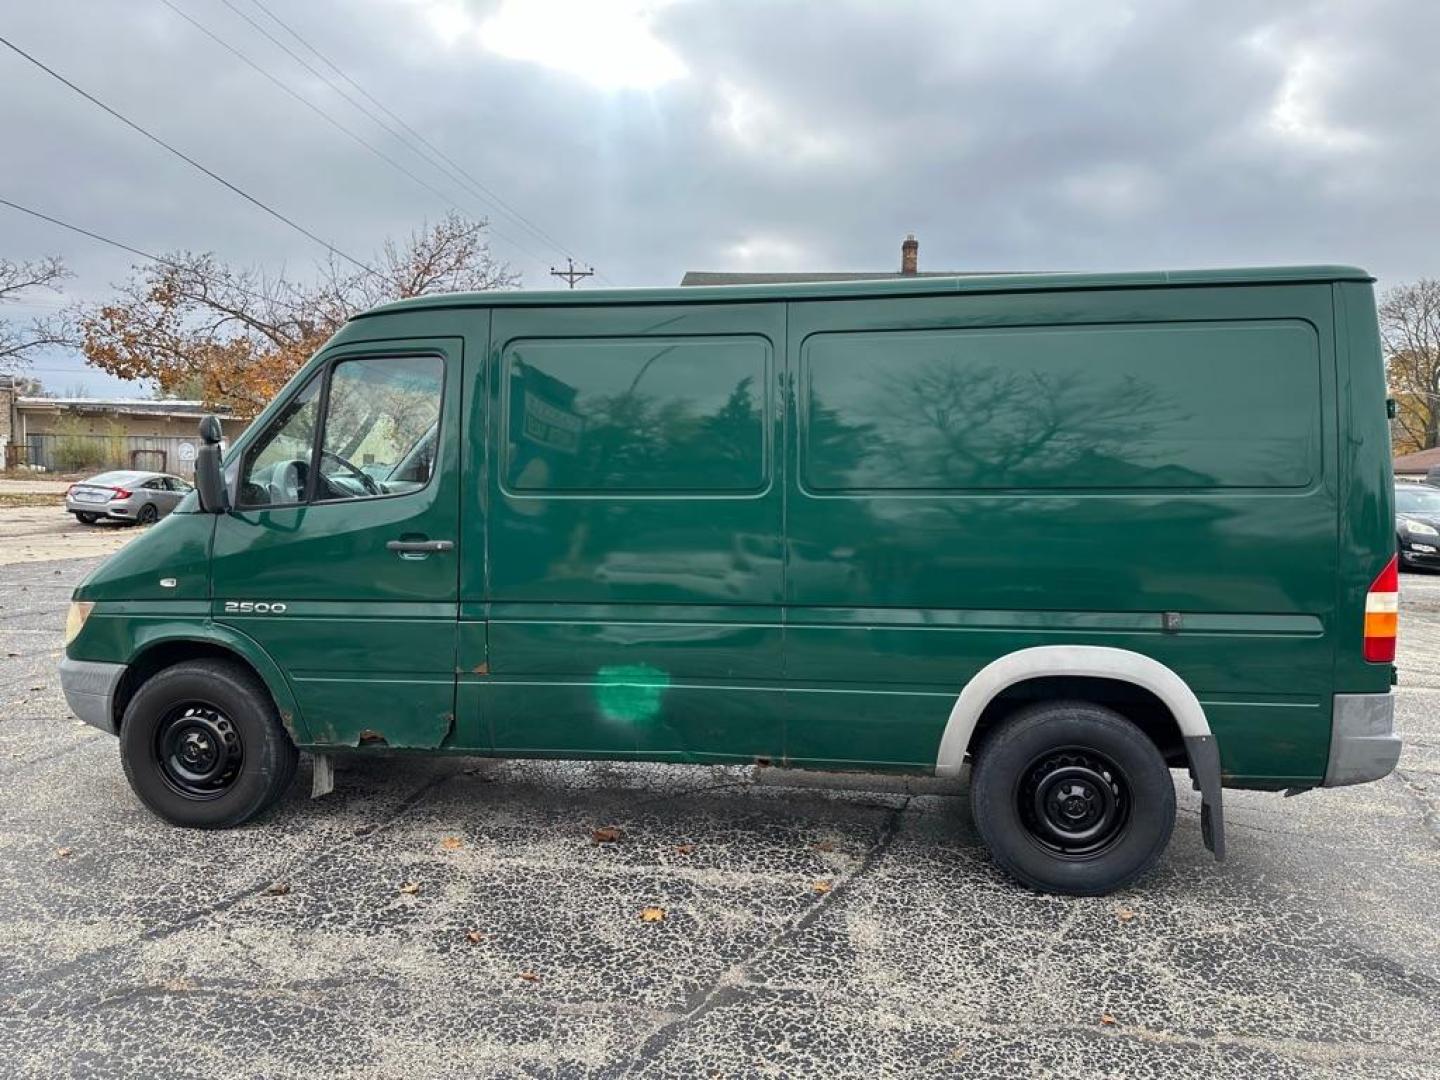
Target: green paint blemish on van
630,692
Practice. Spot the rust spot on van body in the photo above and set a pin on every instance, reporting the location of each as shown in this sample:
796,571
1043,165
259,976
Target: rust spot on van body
369,737
481,668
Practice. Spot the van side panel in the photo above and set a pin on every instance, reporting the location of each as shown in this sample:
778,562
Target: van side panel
973,475
1367,512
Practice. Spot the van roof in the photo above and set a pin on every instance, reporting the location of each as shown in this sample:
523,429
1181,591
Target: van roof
917,286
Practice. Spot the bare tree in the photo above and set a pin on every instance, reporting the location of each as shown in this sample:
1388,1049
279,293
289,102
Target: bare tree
18,341
1410,329
234,336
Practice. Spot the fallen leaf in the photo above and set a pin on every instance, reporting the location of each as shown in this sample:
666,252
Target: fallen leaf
822,887
64,852
1108,1020
475,937
451,843
606,834
530,976
824,845
1124,914
410,888
652,914
279,888
684,849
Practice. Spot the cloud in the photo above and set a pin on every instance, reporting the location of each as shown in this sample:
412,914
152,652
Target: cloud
648,138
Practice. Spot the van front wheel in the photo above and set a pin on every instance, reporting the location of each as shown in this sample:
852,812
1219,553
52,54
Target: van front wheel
1072,798
203,746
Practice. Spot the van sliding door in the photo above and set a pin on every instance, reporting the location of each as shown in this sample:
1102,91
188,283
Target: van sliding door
634,571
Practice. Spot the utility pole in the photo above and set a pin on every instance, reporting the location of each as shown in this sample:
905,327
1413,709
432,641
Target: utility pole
570,274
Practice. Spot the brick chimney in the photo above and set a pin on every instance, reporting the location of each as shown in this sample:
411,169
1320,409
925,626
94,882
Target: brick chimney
910,255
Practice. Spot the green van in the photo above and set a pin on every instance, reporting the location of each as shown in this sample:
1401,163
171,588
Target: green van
1074,530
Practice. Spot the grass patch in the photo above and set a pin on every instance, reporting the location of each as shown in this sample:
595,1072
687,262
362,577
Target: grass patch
12,499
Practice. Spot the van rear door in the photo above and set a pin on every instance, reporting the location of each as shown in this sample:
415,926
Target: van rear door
341,557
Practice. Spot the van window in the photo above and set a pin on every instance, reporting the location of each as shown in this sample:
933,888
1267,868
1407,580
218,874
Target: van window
277,464
381,421
1121,407
636,415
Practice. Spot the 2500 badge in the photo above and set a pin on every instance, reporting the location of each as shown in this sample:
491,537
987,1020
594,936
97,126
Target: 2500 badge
253,607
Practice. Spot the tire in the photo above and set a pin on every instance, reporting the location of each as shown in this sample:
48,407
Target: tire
1072,798
183,710
86,518
148,515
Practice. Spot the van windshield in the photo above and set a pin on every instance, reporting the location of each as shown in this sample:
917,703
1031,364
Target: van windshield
1417,500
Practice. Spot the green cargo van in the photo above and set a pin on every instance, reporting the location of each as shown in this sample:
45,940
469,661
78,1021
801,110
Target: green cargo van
1075,531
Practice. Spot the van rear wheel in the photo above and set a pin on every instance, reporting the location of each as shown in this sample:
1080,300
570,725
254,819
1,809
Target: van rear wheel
1072,798
203,746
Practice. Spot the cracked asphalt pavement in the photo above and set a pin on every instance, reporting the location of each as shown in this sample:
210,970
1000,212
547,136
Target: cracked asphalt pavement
824,929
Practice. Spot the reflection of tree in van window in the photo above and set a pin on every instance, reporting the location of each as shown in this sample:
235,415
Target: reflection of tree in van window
1141,407
949,424
637,416
967,425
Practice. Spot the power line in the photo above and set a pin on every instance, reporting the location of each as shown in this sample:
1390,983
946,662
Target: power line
499,202
143,254
331,120
187,158
464,177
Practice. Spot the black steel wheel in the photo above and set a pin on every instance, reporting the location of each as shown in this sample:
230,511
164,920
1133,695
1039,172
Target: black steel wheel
1070,797
1075,801
203,746
199,750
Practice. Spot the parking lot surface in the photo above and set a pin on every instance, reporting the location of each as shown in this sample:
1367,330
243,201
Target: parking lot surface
458,918
46,533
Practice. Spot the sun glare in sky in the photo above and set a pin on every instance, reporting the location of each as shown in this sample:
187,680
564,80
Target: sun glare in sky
608,43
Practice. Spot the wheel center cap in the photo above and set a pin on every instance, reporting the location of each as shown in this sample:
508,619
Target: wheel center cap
195,748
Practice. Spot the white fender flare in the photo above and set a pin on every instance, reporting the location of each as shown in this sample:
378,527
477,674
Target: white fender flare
1093,661
1104,662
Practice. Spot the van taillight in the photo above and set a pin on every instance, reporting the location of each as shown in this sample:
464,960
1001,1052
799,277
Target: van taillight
1382,613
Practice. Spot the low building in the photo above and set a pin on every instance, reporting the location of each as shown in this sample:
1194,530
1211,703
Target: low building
1417,466
84,434
909,267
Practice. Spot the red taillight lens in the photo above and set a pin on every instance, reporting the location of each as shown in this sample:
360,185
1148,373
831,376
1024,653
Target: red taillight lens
69,491
120,493
1382,614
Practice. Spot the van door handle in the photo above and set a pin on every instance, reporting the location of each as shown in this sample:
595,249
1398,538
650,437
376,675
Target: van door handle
419,547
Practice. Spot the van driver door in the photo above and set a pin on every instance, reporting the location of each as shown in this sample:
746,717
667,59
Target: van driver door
340,555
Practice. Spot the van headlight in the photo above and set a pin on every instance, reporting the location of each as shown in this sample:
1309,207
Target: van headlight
1419,528
75,619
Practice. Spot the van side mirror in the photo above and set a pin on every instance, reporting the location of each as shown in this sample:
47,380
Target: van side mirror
209,480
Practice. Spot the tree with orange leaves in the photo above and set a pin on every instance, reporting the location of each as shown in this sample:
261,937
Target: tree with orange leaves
234,337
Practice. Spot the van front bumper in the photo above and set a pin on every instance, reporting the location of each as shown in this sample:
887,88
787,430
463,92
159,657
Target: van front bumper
1363,743
89,688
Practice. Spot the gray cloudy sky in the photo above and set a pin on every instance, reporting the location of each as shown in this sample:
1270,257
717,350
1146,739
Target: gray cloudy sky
651,138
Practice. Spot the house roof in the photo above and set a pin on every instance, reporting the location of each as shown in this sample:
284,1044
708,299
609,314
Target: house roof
893,285
693,278
1419,462
120,406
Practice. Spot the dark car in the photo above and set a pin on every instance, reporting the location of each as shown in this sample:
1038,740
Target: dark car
1417,525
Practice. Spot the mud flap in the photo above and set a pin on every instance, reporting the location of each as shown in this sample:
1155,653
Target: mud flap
1205,774
322,780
